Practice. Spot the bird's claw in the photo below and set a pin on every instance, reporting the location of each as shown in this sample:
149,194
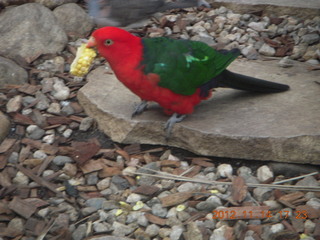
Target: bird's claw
142,106
175,118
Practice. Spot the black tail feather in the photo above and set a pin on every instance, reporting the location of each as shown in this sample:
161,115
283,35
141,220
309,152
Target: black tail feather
246,83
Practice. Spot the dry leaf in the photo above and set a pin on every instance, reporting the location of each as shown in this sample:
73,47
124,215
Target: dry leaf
239,189
175,199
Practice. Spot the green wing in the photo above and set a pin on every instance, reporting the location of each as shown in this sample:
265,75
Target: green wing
183,66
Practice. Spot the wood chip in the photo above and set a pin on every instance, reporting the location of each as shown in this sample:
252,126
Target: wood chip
92,166
25,120
83,151
154,219
292,199
29,89
147,190
175,198
37,202
35,226
239,189
38,179
306,212
54,120
124,154
7,144
22,207
87,188
109,172
236,213
170,163
203,162
32,143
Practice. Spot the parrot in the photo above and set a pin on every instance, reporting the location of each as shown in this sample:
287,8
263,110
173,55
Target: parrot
175,73
121,13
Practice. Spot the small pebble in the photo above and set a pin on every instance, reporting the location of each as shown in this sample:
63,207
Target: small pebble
34,132
62,160
224,170
264,173
86,123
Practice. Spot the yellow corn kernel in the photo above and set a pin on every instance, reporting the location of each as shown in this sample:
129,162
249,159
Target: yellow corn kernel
84,58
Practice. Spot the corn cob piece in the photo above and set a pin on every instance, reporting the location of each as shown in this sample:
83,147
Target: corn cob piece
84,58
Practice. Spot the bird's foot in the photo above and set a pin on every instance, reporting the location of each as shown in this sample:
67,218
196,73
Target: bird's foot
175,118
140,108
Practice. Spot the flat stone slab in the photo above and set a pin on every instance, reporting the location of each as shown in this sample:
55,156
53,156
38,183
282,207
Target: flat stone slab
281,127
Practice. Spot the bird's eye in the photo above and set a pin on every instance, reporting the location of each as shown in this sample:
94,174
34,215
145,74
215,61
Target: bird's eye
108,42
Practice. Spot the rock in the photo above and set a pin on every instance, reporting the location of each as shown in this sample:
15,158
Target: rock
11,73
152,230
310,38
62,160
67,133
60,91
298,51
80,232
264,173
158,210
286,62
55,65
49,139
308,181
188,187
103,184
54,108
4,126
47,84
209,204
15,227
96,203
262,194
193,232
86,123
267,50
121,230
101,227
43,102
255,114
176,232
20,178
133,198
14,104
67,109
219,233
120,182
92,178
257,26
313,61
74,20
250,52
39,154
34,132
276,228
224,170
53,3
42,34
70,169
13,158
314,202
110,204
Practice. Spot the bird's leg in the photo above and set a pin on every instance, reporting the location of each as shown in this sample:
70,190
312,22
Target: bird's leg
175,118
140,108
